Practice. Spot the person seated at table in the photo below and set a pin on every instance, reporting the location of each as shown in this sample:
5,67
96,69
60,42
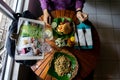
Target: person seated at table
74,5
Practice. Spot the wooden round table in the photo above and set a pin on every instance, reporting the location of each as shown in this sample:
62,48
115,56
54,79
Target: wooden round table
87,59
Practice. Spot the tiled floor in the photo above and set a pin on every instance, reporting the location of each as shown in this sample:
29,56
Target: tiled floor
105,15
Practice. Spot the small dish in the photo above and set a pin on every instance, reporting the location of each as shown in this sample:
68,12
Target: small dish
63,31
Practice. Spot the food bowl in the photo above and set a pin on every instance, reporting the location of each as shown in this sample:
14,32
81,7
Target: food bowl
64,73
63,30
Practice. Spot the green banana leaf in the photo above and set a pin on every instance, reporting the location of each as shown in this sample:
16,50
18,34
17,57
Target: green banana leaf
58,34
52,72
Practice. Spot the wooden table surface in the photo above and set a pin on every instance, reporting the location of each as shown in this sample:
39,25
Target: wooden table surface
87,59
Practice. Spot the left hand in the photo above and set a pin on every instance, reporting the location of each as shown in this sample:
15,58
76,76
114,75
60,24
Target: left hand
82,16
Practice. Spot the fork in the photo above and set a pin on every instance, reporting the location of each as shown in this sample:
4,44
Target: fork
84,31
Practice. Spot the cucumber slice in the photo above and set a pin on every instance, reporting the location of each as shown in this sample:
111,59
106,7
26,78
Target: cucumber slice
54,25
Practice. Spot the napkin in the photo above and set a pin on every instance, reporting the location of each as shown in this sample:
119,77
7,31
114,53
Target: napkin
84,36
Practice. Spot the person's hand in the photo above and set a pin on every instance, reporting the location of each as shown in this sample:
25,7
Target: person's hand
47,17
81,16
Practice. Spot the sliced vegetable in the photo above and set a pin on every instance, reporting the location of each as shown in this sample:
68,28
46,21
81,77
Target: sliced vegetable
54,25
72,38
59,42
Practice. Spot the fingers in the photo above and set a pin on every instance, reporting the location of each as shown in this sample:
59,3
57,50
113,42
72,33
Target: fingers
47,20
41,18
85,16
82,16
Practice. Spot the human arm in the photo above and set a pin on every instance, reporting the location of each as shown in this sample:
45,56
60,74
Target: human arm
80,15
44,6
47,17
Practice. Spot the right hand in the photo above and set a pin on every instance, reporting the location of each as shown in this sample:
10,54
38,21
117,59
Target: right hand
47,17
82,16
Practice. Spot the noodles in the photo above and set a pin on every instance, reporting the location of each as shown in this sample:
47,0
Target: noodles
62,65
